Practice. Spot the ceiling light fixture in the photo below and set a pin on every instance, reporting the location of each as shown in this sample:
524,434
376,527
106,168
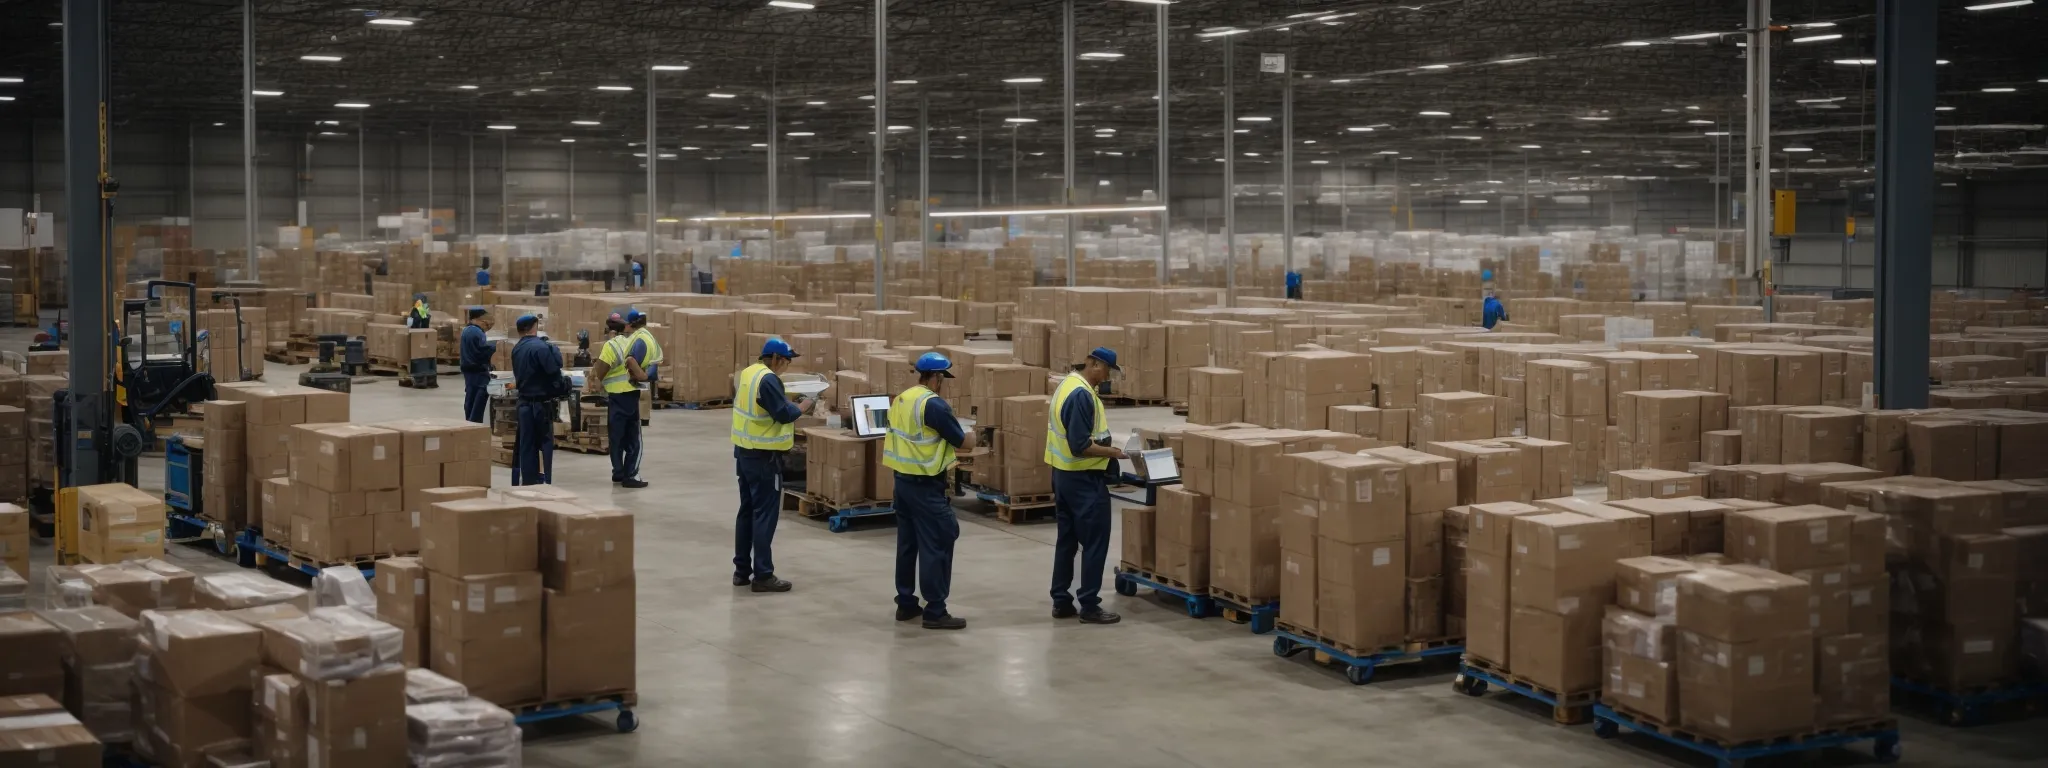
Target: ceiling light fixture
1699,122
721,95
1388,152
352,105
1799,149
1255,119
1017,120
568,141
615,87
1471,202
1433,113
814,103
1595,118
1816,38
1516,60
1857,62
799,134
1360,129
1998,5
502,127
1944,109
670,67
1051,211
903,82
2000,89
270,93
585,122
1635,44
319,57
1023,80
1532,146
1434,66
466,87
1697,36
387,21
791,4
1318,162
1100,56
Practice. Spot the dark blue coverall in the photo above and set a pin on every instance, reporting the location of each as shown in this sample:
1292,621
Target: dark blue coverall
760,474
1494,312
926,527
1081,510
537,369
476,350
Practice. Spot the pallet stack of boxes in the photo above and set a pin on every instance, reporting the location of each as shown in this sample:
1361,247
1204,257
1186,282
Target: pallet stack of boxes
441,459
836,466
40,392
484,598
14,453
1955,594
587,580
117,522
1345,550
14,540
343,478
224,475
337,695
269,416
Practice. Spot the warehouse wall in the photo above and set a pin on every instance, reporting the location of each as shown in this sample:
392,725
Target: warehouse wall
1991,232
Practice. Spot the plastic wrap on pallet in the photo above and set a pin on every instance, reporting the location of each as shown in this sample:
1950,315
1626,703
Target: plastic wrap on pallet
104,704
64,586
325,649
464,733
387,642
1648,637
424,686
343,586
235,590
13,590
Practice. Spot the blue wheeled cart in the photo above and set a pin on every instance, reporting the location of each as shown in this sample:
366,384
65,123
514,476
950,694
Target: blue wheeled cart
184,475
1150,487
1358,669
626,721
253,551
1972,707
1883,735
1244,610
1474,675
838,518
1128,580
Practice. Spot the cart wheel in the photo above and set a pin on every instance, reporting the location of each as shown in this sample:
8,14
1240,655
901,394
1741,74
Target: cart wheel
1605,729
836,525
1888,749
262,559
245,556
1283,647
224,545
1262,623
1470,686
628,723
1195,608
1358,674
1125,586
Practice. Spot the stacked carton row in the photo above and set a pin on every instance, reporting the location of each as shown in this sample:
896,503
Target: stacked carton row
359,491
845,469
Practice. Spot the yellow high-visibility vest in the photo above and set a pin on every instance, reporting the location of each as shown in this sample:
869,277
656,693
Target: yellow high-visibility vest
913,447
751,426
1056,451
617,380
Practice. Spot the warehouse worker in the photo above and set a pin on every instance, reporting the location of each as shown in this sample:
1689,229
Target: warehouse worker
923,435
537,369
763,430
619,374
476,352
419,317
1494,311
1293,285
1077,446
645,349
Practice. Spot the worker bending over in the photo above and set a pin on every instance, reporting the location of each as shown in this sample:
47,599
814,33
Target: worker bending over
537,370
1493,311
476,352
1077,446
763,431
923,435
618,372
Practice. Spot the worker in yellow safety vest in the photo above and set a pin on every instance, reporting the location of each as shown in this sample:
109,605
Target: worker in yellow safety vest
1077,447
763,432
923,435
619,373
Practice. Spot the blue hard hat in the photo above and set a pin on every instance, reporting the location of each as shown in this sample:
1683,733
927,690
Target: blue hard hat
778,348
933,362
635,315
1486,274
527,321
1107,356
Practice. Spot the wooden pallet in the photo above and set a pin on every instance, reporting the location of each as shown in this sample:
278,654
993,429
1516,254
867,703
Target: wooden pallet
1408,648
285,357
381,370
585,442
1019,514
626,698
1161,578
1657,724
1571,708
1227,595
814,506
1180,409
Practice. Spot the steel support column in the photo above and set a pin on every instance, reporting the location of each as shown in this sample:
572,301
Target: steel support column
87,224
653,157
1757,137
1230,171
774,169
1165,155
881,150
1905,210
249,138
1067,104
1286,168
924,181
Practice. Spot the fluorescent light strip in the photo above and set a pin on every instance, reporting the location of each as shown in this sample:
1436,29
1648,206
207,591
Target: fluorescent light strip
352,105
670,67
1100,56
319,57
787,217
721,95
1472,202
1698,36
389,22
791,4
615,87
1816,38
1023,80
1996,6
1050,211
585,122
266,93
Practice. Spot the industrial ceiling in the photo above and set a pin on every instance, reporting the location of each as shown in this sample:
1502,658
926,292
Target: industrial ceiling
1636,88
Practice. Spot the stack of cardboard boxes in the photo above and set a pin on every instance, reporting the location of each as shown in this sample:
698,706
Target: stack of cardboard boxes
484,598
836,466
14,539
1745,653
224,476
1180,548
1345,547
1488,610
269,413
195,677
116,522
1955,599
434,453
1022,441
587,578
1215,395
340,698
1561,578
343,476
14,453
1661,429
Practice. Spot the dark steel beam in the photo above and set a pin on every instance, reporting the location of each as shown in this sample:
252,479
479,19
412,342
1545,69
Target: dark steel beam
85,155
1905,205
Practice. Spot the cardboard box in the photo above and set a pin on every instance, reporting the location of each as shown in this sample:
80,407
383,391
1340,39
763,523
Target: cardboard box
1740,691
1653,483
334,540
1362,500
200,653
1852,679
1140,536
1740,604
480,536
402,591
590,641
357,722
584,548
1298,588
345,457
1563,563
36,731
1649,585
1556,651
1244,549
483,606
1431,480
1360,593
1788,539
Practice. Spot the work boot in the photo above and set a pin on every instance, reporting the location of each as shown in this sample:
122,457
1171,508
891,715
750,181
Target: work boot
948,621
1099,616
633,483
741,580
906,613
1064,612
771,584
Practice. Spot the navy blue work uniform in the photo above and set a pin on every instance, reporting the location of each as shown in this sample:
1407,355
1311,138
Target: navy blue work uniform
926,526
760,475
623,411
1081,511
1494,312
476,351
1293,285
537,369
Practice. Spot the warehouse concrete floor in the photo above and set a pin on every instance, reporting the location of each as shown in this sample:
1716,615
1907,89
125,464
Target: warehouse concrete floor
824,676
